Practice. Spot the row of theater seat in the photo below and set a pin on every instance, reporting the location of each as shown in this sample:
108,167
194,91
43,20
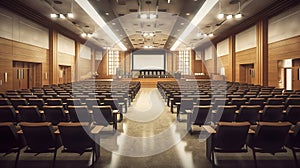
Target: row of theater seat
42,137
265,137
237,116
68,115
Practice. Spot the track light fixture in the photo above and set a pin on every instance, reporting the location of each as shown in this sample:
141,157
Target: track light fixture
86,35
229,16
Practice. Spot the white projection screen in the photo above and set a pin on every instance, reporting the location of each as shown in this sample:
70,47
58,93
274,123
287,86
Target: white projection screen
148,61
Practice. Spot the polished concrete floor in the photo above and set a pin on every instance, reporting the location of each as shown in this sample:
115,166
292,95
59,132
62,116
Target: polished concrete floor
150,136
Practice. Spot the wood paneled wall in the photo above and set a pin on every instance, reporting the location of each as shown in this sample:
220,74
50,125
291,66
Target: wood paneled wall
223,61
11,50
85,69
285,49
244,57
67,60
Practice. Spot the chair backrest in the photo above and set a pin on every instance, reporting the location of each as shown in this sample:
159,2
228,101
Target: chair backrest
225,113
238,101
257,101
270,136
113,103
90,102
201,115
79,114
7,114
4,102
292,101
231,136
29,114
248,113
75,136
294,139
274,101
18,102
37,102
293,113
102,115
204,101
272,113
73,102
54,114
186,104
54,102
9,137
39,136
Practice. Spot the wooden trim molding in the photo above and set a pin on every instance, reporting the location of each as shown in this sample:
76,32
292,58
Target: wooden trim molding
53,64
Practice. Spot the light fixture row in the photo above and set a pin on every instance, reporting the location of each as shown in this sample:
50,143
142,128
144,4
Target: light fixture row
148,47
229,16
62,16
148,34
84,35
148,16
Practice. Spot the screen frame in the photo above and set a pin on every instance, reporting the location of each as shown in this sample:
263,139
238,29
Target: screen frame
132,60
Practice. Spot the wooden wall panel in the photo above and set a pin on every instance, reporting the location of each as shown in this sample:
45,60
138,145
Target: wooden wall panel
224,62
209,66
15,51
67,60
102,68
244,57
85,69
285,49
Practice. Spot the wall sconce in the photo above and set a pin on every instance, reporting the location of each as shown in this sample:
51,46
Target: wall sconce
5,77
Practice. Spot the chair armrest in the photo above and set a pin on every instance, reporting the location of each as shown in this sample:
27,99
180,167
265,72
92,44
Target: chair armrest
209,129
97,129
189,111
177,103
56,132
20,132
251,131
115,111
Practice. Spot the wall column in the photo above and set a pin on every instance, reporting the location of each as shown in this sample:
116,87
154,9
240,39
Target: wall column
77,56
93,60
53,64
231,59
261,66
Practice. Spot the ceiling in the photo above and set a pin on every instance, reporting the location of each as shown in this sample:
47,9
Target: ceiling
122,17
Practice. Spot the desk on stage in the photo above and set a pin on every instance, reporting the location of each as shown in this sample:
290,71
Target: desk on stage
153,73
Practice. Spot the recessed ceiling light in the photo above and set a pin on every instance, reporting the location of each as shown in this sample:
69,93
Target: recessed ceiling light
187,14
228,17
238,16
221,16
113,23
106,13
181,24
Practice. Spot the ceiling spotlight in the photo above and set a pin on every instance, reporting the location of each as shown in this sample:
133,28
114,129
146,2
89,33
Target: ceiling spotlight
151,34
153,16
221,16
83,34
70,15
169,1
238,16
62,16
89,35
187,14
106,13
53,15
228,17
210,34
143,16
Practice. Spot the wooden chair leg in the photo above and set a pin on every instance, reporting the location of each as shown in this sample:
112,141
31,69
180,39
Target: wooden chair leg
54,158
295,158
254,157
17,158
